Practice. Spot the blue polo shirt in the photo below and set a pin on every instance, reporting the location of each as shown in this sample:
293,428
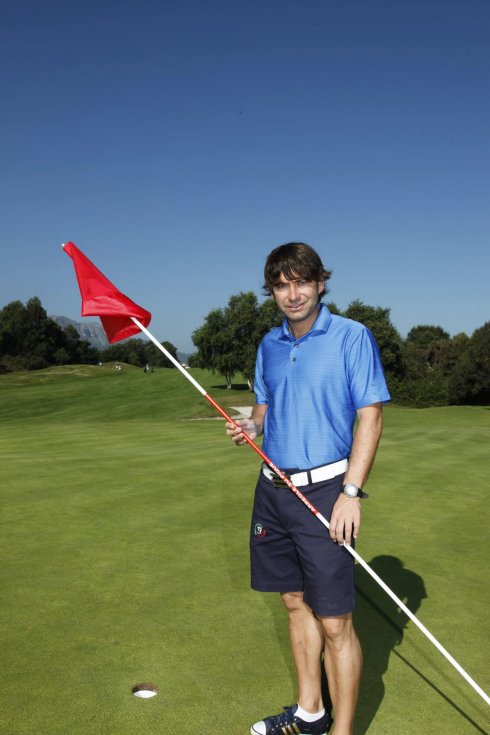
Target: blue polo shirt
313,387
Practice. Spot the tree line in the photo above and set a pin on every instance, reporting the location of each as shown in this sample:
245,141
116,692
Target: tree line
30,340
428,368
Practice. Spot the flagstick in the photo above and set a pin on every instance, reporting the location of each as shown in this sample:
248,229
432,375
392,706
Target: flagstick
167,354
321,518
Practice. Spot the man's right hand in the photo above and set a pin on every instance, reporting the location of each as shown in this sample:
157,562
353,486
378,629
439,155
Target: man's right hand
235,433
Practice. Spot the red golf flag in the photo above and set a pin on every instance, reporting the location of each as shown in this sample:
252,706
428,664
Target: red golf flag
101,298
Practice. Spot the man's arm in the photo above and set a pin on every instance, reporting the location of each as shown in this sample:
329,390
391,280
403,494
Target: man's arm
253,427
346,515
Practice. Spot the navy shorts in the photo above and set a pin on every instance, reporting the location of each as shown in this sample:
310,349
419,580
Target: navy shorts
291,550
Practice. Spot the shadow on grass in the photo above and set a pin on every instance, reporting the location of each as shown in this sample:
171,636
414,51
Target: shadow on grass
234,387
380,626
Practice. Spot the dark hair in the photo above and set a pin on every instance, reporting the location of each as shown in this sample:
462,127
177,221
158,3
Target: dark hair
294,260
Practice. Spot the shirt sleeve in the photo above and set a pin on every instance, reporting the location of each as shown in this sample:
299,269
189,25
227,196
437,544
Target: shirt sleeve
260,390
366,376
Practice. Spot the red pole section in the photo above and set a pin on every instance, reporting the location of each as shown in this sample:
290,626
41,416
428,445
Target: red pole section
266,459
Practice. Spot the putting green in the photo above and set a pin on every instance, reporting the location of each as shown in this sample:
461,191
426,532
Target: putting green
124,535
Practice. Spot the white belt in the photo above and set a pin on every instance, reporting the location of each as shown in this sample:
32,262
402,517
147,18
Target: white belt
318,474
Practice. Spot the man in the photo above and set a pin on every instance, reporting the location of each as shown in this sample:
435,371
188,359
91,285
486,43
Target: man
315,375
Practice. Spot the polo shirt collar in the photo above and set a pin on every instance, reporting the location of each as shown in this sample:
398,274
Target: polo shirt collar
320,325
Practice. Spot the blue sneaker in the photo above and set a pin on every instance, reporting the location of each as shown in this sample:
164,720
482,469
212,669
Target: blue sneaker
288,724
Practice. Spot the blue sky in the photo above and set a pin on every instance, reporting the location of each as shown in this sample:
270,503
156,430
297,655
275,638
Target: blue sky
176,143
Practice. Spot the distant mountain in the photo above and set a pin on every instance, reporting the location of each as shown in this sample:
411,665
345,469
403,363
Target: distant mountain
93,332
184,357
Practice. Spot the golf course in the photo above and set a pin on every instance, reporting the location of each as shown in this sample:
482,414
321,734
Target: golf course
124,535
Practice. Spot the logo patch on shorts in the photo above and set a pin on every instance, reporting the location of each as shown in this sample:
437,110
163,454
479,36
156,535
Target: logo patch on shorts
259,530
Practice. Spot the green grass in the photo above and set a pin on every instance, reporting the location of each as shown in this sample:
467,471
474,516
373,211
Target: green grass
124,540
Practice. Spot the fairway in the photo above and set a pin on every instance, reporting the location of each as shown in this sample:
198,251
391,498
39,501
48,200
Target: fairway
124,536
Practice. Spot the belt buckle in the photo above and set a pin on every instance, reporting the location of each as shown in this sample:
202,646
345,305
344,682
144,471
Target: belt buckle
278,481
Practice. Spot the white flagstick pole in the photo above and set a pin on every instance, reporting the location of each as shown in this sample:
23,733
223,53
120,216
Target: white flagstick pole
421,627
321,518
170,357
412,617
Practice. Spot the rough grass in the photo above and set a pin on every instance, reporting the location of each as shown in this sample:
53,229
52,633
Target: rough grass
124,534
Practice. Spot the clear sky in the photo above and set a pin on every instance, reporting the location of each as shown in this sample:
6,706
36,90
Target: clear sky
177,142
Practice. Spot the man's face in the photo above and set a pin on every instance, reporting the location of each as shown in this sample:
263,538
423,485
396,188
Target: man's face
297,298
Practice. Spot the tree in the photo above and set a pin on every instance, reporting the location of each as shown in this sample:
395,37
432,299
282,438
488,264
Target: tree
215,346
61,356
241,315
427,346
79,350
12,329
424,334
420,387
155,357
131,351
137,352
469,382
30,340
268,316
429,357
227,341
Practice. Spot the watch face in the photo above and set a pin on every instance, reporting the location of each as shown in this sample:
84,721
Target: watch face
351,491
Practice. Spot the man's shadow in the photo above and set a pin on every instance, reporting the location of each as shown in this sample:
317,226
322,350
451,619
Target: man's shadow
380,626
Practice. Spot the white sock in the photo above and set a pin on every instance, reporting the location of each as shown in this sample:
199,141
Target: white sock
309,716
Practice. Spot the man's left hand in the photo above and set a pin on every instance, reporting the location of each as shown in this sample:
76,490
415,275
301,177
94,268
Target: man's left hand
345,520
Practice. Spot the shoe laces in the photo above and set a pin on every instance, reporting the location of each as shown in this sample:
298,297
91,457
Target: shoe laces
285,718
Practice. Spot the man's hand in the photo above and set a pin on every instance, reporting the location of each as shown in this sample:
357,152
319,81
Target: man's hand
247,426
253,426
345,520
346,514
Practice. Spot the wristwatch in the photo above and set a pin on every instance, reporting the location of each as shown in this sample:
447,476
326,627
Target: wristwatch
353,491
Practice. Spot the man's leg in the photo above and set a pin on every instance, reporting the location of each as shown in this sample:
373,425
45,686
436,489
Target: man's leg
343,663
307,644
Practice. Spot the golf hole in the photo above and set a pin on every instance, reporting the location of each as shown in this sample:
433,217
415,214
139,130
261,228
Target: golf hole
145,691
